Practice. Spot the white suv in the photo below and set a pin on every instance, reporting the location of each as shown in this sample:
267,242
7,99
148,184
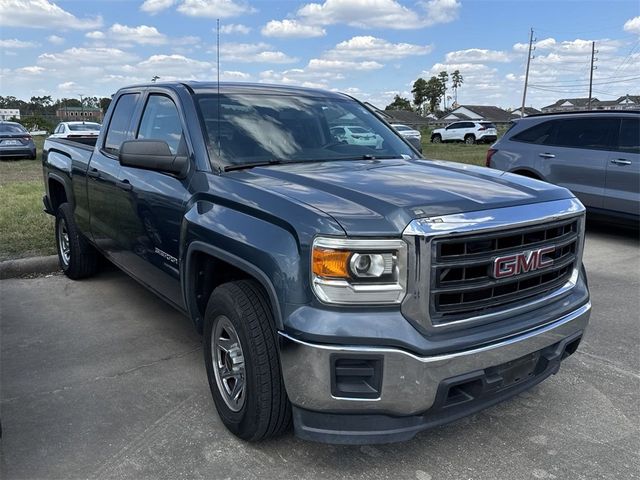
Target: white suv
467,132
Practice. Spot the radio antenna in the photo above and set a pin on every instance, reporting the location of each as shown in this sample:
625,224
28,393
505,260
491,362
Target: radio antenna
218,73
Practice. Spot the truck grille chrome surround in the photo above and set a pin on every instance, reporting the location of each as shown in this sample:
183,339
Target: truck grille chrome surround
489,265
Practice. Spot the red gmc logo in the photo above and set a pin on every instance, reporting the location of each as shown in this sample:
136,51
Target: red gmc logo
524,262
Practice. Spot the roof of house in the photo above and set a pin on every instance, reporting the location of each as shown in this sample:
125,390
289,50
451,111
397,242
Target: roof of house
576,102
527,111
632,98
405,116
487,112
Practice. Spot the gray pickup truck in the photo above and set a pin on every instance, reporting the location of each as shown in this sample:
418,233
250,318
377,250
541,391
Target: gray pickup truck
359,291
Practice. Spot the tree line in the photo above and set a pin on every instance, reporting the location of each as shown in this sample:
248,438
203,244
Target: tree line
40,112
430,95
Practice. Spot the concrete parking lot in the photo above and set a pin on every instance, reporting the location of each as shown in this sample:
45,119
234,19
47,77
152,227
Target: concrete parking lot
99,379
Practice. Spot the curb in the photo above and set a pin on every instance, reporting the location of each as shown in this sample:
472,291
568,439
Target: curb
28,266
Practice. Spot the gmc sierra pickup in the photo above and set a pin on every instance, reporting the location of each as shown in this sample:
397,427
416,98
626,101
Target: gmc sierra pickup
359,291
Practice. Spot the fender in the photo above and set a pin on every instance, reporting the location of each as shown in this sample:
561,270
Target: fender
188,286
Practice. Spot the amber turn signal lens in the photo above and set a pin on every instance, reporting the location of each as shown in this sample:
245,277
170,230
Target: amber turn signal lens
331,263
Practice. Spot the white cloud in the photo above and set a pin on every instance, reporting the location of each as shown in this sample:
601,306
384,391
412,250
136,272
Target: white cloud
235,28
142,34
253,52
214,8
55,39
169,66
15,43
632,25
42,14
301,77
234,75
79,56
379,13
341,65
291,29
95,35
155,6
67,86
32,70
368,47
477,55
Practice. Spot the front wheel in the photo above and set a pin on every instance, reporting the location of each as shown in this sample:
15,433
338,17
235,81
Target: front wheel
242,361
77,258
436,139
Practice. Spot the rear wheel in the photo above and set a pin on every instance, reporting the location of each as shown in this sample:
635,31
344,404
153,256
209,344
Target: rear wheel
469,139
77,257
242,361
436,139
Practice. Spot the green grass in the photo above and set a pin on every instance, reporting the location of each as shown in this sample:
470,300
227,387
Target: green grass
25,230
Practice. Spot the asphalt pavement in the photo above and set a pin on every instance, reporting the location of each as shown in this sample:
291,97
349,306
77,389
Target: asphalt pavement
100,379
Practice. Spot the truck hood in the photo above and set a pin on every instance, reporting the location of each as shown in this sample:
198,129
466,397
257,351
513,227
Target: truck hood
381,197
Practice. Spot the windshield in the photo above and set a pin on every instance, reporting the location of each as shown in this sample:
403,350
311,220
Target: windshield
11,128
401,128
245,129
78,127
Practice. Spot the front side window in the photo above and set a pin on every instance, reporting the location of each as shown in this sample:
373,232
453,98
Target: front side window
120,124
161,121
251,128
629,139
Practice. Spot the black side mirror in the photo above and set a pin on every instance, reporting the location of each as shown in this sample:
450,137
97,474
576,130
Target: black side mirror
152,155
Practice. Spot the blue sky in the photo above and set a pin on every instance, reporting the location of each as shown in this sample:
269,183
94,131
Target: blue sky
372,49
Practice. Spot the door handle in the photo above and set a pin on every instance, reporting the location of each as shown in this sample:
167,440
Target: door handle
620,161
124,185
93,173
547,155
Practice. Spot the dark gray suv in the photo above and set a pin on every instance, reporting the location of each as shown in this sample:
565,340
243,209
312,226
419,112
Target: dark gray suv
596,155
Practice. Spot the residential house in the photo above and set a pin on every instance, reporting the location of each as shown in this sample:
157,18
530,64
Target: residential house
570,104
9,113
527,111
626,102
482,113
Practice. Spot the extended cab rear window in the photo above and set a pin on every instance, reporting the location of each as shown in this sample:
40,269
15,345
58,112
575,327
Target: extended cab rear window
120,124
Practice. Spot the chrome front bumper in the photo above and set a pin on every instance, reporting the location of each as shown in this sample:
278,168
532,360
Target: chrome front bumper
409,382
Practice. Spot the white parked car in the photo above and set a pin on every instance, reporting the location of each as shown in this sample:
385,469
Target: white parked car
414,137
76,129
355,135
467,132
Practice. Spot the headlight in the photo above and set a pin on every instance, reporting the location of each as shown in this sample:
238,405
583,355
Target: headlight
346,271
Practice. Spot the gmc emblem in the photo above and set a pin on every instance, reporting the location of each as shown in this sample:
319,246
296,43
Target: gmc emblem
524,262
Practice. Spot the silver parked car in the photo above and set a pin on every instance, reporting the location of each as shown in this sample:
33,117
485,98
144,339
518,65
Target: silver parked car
413,136
596,155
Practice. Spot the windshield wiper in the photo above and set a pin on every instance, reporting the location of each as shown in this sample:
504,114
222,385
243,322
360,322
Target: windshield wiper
264,163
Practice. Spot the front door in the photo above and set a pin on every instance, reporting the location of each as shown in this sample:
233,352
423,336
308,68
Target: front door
152,217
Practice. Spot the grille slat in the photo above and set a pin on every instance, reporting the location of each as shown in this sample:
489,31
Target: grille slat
463,284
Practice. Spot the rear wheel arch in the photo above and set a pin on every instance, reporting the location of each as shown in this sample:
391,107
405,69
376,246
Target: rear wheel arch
208,267
57,192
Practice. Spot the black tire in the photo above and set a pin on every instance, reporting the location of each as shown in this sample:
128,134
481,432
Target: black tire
436,139
265,411
80,260
469,139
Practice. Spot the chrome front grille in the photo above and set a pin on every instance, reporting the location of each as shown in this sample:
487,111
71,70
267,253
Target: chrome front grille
462,283
452,282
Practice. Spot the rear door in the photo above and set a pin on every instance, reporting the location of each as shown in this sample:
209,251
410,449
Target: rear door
103,192
622,192
154,207
574,155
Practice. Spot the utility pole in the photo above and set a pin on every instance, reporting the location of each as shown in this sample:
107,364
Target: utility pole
593,53
81,105
526,75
